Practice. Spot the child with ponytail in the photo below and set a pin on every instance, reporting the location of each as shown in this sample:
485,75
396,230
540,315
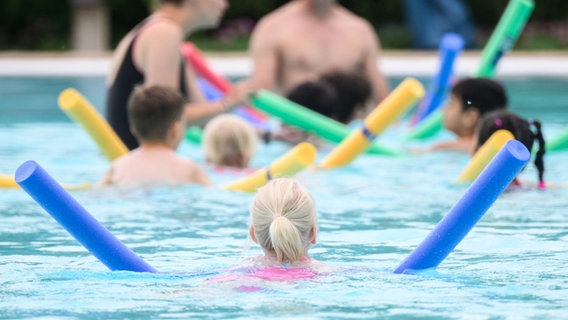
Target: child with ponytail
284,222
521,129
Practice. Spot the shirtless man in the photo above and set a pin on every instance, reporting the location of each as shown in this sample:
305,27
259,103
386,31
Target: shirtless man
306,38
150,55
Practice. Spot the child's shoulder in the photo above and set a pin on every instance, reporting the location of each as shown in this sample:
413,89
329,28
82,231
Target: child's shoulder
186,162
192,171
123,160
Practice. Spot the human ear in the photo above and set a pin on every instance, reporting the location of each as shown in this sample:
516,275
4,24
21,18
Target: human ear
251,233
176,131
313,235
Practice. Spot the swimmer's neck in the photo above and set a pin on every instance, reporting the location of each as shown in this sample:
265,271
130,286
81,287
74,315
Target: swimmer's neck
321,11
155,146
271,255
182,19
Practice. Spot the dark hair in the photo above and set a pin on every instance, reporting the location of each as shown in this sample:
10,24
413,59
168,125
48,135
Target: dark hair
152,110
315,95
352,90
485,95
521,130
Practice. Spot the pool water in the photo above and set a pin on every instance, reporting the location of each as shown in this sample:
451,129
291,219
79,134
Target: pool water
371,215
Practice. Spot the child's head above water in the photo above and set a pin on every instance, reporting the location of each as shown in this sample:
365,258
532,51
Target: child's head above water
315,95
469,100
521,130
283,220
337,95
229,141
155,115
353,93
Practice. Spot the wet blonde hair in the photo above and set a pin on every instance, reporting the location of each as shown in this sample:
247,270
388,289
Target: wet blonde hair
229,141
283,215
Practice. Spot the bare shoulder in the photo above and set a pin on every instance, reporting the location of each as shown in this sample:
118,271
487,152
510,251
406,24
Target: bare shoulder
188,164
356,22
126,162
123,160
164,30
275,19
193,172
116,167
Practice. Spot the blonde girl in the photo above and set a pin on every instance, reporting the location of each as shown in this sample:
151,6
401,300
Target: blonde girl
283,221
229,141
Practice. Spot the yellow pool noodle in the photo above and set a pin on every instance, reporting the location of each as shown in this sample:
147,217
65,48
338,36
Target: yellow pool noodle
294,161
82,112
8,182
390,109
484,155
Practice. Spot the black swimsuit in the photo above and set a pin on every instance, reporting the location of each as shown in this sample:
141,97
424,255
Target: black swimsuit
119,92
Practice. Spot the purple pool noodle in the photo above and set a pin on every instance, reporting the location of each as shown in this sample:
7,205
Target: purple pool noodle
451,46
451,230
251,119
76,220
210,92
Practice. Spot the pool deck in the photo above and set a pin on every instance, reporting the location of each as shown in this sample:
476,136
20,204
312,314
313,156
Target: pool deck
392,63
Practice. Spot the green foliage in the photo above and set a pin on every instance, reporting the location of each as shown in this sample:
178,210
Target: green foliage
125,15
45,24
34,25
206,42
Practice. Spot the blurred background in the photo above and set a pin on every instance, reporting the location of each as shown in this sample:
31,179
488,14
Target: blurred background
97,25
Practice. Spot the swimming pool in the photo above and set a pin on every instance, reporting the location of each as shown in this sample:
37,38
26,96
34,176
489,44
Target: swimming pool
371,215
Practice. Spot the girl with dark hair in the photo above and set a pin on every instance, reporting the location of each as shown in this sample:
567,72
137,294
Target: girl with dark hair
521,129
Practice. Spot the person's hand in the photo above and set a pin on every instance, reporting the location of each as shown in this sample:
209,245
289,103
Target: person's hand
239,95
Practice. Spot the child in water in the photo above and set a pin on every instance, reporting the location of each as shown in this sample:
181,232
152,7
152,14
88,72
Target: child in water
341,96
155,114
521,130
229,141
469,100
284,222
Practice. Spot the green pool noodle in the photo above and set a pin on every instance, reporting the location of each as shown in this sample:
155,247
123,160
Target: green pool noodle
505,35
429,127
558,143
194,134
306,119
502,41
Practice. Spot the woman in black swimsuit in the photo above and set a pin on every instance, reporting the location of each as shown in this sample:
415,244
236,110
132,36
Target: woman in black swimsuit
150,54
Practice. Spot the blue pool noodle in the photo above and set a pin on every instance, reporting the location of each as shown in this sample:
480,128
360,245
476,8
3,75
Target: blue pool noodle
451,230
451,46
76,220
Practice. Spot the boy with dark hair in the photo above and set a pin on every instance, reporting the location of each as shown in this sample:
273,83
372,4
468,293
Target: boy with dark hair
155,114
521,129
